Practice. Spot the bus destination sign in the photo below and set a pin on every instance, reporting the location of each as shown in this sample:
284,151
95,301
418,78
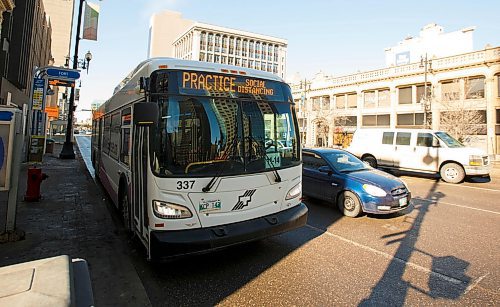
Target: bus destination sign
201,83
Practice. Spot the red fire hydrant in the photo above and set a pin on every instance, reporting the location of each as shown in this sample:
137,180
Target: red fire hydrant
35,178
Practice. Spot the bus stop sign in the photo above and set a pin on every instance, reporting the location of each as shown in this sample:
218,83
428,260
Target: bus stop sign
63,74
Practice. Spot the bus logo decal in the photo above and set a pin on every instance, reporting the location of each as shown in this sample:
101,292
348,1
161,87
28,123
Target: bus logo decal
244,200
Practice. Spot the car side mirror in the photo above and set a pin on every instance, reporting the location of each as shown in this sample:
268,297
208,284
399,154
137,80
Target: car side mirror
325,169
435,143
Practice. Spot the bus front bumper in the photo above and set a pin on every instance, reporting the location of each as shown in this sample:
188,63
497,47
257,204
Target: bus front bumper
168,244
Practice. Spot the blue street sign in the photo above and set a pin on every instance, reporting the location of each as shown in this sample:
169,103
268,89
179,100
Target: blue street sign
63,74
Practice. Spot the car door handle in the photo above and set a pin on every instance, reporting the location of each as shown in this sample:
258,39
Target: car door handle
334,184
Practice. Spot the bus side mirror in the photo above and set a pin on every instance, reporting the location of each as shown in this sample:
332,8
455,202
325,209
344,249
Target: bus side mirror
145,114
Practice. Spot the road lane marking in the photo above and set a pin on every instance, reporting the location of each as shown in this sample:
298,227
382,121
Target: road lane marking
475,283
391,257
453,185
455,205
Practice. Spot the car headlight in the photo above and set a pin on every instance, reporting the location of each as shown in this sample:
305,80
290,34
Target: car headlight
294,192
373,190
170,211
475,160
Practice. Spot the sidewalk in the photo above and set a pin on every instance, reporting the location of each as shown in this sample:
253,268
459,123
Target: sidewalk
73,219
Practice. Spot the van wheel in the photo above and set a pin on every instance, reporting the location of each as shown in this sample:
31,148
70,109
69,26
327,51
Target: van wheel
452,173
349,204
370,160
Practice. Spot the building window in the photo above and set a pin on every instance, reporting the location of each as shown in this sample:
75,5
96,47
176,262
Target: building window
276,53
210,40
410,119
202,56
203,41
405,95
209,58
352,101
224,44
237,62
257,50
369,100
340,101
421,92
376,120
224,59
230,61
250,64
245,48
450,90
216,58
231,45
474,88
238,46
384,98
498,85
497,126
251,49
244,63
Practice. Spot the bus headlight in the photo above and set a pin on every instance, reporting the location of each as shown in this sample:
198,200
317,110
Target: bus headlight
294,192
170,211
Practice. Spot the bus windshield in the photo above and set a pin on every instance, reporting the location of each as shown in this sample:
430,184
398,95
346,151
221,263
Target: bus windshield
217,136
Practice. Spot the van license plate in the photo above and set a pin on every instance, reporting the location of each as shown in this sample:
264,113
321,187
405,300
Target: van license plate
403,202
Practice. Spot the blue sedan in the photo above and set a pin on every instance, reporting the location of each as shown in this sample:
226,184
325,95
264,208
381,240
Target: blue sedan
337,176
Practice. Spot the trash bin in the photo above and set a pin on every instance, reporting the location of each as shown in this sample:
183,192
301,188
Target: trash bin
49,146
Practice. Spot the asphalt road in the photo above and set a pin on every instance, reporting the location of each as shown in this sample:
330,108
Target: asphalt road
443,250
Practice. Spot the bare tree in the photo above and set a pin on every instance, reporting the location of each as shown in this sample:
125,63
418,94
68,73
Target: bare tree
458,116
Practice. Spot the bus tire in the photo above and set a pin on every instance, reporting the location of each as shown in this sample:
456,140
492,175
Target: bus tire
124,206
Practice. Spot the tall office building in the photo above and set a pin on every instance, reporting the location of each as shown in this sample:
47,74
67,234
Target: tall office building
60,15
172,36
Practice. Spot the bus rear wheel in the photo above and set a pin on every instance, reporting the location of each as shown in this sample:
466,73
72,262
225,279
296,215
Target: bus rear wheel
125,210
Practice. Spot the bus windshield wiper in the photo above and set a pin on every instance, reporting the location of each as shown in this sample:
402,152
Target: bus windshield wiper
275,170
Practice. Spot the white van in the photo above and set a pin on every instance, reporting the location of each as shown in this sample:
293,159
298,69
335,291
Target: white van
419,150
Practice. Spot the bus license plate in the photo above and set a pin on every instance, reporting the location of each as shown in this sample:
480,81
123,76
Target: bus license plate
209,206
403,202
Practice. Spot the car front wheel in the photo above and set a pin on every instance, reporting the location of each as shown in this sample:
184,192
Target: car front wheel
349,204
452,173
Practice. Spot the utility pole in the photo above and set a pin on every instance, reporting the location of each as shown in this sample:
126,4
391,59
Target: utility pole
67,151
427,65
304,111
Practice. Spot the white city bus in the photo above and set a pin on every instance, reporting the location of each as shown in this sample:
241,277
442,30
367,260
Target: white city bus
193,155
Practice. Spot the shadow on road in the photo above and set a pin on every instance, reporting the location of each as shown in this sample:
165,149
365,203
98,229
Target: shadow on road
392,289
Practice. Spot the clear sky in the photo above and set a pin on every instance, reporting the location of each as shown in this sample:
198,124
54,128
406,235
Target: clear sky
334,36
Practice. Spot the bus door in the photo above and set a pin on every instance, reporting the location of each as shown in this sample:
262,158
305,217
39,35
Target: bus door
139,180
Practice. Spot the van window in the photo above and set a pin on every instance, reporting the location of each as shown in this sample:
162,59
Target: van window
388,138
424,139
403,138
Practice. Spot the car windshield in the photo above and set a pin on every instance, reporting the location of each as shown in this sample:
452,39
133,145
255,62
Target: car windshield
450,141
345,162
217,136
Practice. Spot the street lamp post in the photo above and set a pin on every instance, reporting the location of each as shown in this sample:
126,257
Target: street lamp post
67,151
427,65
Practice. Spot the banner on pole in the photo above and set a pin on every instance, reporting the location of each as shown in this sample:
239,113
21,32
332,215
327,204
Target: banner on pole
90,21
